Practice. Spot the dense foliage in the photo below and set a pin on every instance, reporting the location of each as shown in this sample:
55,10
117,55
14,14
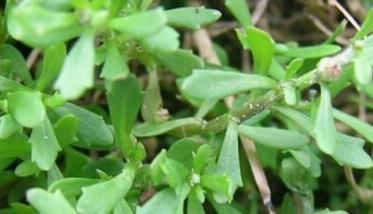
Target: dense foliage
115,111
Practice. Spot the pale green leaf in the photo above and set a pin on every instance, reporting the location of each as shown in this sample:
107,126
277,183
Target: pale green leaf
324,130
191,17
77,73
134,24
26,107
365,129
274,137
102,197
240,10
45,202
44,145
312,51
216,84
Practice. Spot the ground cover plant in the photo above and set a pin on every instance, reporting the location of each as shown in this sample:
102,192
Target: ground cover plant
141,106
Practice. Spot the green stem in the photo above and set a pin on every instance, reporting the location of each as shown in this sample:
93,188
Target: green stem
265,101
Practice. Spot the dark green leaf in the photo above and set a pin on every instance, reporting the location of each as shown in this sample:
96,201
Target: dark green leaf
192,17
77,73
324,130
134,24
312,51
18,63
53,59
38,27
240,10
180,62
216,84
295,177
8,126
124,99
26,107
102,197
182,151
15,146
10,85
92,129
293,67
275,138
44,145
66,129
44,202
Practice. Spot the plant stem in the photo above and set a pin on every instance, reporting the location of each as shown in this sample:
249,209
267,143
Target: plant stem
331,66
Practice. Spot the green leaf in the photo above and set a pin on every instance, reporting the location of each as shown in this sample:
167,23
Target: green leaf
71,187
217,84
66,129
124,99
312,51
164,40
22,208
77,73
26,107
122,207
306,157
152,99
365,129
18,63
44,202
26,168
165,202
15,146
152,129
44,145
53,59
165,170
295,177
221,185
92,129
324,130
367,26
362,70
115,66
298,117
10,85
262,47
191,17
327,211
349,151
180,62
134,24
274,137
203,156
229,161
38,27
293,67
194,206
290,94
240,10
102,197
8,126
182,151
